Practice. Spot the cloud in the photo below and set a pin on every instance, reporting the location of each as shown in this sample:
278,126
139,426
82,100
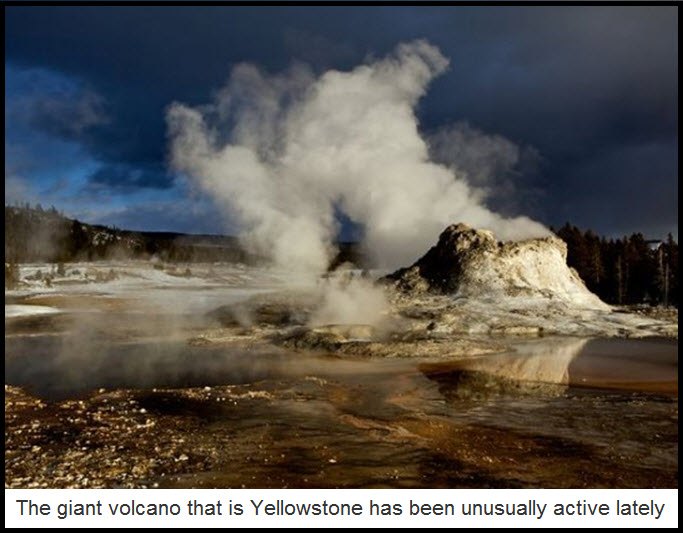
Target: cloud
634,182
124,178
18,190
187,216
317,50
52,103
66,116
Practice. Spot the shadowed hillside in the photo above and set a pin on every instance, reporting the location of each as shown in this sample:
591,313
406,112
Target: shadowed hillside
37,235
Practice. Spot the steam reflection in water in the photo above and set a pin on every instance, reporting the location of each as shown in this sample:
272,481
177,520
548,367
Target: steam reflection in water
648,365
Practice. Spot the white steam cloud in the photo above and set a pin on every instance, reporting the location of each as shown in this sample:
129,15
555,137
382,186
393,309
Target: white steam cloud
282,153
350,301
497,168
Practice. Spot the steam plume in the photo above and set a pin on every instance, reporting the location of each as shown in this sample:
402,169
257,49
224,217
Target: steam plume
282,153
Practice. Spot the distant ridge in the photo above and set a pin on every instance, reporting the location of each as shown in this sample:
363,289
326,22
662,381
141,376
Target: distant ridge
37,235
34,235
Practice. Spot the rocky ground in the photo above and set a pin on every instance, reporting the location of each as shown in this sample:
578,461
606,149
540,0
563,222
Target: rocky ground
310,433
341,405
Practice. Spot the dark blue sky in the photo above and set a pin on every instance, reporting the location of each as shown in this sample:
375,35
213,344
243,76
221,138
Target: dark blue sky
592,90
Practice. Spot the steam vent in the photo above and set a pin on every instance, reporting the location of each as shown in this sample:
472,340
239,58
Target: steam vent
471,263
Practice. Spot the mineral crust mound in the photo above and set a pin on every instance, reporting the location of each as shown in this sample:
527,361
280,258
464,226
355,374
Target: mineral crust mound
471,263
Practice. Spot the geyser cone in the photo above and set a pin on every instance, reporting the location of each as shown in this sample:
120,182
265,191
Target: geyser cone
472,263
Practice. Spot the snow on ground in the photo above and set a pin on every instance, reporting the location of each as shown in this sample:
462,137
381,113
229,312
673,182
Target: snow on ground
193,288
199,288
131,275
519,316
28,310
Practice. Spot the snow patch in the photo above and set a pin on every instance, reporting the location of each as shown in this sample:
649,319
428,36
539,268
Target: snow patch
12,311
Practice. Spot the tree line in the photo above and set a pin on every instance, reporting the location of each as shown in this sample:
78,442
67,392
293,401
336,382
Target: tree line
34,235
629,270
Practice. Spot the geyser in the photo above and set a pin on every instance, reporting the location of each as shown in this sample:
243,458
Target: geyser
282,153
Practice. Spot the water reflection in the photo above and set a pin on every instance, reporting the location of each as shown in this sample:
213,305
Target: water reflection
544,361
538,367
648,365
548,366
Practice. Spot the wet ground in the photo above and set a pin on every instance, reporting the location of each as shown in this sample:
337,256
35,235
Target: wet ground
93,404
